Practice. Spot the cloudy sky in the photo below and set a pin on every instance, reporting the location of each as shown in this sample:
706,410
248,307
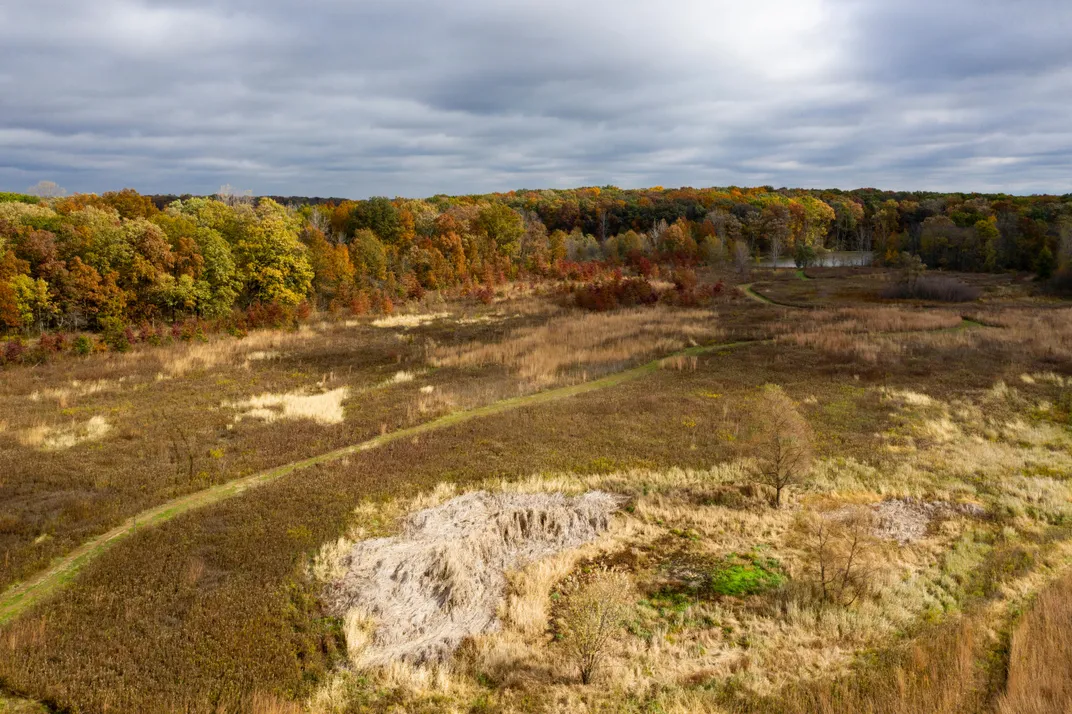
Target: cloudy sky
413,97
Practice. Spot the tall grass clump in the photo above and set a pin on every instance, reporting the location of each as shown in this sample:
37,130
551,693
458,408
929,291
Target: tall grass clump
1040,661
588,344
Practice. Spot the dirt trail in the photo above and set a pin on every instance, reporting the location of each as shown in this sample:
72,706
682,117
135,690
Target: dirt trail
748,290
22,596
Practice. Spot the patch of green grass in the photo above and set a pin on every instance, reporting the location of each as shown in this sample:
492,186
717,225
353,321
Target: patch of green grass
739,576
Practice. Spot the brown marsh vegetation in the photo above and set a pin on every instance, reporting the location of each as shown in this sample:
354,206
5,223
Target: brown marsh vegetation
739,607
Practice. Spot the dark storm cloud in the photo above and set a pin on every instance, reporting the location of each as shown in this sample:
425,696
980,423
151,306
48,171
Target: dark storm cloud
414,97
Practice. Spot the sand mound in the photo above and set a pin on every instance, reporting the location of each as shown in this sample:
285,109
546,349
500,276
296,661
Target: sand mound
906,520
442,579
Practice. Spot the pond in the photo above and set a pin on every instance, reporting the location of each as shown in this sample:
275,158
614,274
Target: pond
833,259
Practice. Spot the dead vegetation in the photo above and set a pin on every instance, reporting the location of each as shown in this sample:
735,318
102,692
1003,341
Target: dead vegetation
419,594
840,550
324,408
592,616
1040,661
943,495
861,334
575,347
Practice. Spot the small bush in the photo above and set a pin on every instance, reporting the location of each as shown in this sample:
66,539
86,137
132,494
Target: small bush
612,294
13,351
361,304
685,280
115,334
941,288
52,343
83,345
265,315
583,272
593,615
642,264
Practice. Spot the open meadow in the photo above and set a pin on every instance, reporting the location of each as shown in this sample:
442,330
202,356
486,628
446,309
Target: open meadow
797,495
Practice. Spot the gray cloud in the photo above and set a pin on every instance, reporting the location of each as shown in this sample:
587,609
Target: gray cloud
413,97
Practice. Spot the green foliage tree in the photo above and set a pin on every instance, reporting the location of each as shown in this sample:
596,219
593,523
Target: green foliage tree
1045,264
503,226
988,237
273,266
380,216
368,255
804,255
33,301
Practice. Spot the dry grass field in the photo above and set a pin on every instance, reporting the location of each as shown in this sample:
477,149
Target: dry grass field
918,562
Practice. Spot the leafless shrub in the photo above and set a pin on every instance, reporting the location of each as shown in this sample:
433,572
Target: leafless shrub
592,616
785,443
46,189
839,554
932,287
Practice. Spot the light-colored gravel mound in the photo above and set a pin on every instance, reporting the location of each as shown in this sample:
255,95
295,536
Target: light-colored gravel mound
442,579
906,520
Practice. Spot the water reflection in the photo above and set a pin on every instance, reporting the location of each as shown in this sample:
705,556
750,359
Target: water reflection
833,259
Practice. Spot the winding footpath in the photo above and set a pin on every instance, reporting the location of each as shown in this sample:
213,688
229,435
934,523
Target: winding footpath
21,596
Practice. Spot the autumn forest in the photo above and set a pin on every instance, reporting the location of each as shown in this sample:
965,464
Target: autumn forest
113,262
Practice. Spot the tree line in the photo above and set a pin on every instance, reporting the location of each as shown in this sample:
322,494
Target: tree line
97,262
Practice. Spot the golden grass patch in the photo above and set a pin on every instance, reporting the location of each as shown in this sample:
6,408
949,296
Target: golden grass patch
412,320
576,347
57,438
323,408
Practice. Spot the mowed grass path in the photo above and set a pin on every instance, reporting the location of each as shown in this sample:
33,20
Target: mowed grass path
22,596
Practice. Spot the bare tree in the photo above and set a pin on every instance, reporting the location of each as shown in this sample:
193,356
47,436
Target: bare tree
232,197
839,554
775,250
785,443
655,235
741,256
593,615
321,221
46,189
726,225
